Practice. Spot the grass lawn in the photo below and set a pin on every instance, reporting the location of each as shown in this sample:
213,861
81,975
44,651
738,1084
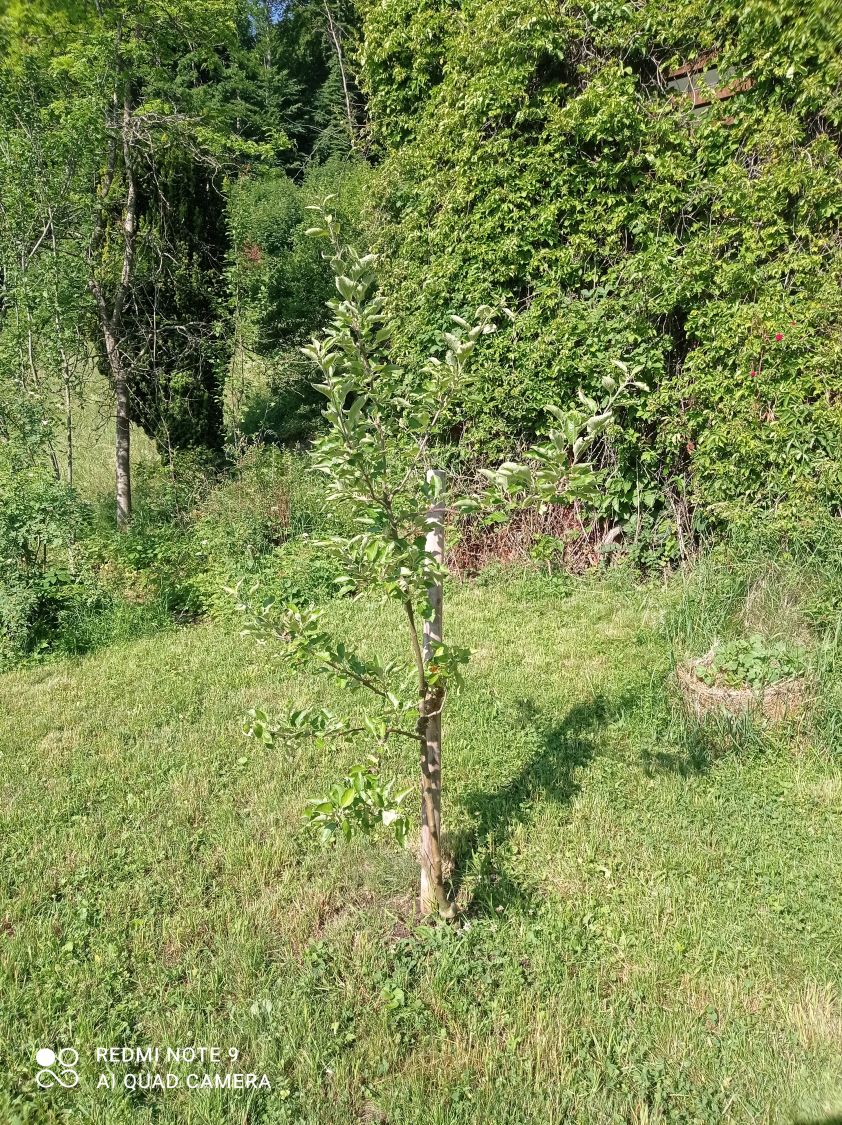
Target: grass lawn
649,933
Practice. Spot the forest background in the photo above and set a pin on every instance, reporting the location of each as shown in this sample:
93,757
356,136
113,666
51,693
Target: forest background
156,163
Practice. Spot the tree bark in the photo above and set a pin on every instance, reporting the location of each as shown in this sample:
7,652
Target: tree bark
65,361
433,894
122,453
36,382
68,407
111,319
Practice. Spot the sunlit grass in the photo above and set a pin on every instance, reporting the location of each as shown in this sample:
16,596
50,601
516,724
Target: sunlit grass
649,932
93,439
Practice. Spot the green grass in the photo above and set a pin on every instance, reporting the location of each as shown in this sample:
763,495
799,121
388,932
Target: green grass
93,435
650,932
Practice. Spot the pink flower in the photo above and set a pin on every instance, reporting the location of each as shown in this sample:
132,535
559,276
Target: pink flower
753,374
779,335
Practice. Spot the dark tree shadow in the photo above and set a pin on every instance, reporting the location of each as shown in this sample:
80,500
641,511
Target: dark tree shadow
550,772
699,744
695,757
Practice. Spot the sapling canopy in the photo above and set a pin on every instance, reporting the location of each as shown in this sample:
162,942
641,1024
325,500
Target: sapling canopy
381,465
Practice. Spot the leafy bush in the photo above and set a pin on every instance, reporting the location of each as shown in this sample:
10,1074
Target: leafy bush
750,662
106,618
39,520
255,525
150,563
72,583
534,156
197,531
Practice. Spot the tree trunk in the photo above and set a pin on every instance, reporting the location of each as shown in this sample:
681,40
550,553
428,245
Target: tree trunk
433,894
111,319
336,39
65,361
36,383
122,452
122,429
68,415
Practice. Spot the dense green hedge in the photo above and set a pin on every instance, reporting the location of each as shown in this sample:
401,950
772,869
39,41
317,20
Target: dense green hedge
532,154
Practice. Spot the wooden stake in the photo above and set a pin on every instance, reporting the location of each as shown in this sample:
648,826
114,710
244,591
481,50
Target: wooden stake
433,895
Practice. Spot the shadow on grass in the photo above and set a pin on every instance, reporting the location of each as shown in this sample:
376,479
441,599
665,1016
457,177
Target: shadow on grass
696,756
550,772
698,745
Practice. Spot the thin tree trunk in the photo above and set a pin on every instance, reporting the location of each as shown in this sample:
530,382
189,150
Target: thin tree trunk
36,382
122,426
68,412
336,39
111,320
65,362
433,894
122,453
122,458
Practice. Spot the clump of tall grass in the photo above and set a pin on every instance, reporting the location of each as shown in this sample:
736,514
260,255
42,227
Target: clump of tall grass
785,589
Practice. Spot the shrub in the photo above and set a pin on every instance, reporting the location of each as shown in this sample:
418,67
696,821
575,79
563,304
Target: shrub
750,662
256,525
533,156
39,521
197,531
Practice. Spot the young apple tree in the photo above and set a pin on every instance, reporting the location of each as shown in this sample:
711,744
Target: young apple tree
382,468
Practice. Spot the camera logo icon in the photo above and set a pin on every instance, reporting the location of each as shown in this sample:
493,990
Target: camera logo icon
57,1068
